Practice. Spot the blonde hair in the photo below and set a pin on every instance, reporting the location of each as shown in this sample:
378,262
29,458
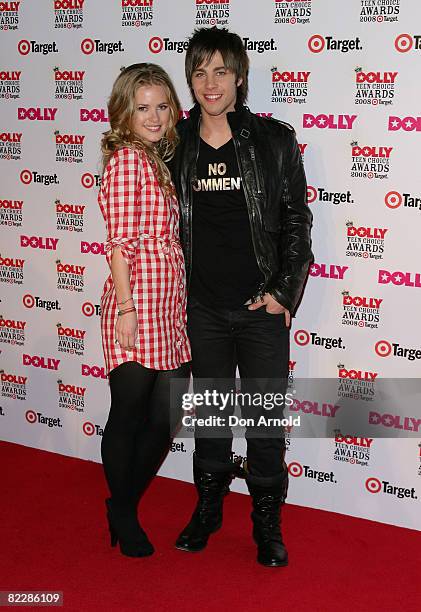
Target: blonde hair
121,107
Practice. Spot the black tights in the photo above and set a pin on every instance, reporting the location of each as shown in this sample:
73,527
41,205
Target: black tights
137,435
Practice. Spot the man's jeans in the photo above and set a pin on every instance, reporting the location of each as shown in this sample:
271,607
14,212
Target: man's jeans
258,342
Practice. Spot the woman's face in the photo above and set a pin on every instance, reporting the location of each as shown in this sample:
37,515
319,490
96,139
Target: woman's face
152,113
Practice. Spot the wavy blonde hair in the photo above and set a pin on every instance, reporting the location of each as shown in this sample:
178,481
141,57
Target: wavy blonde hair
121,107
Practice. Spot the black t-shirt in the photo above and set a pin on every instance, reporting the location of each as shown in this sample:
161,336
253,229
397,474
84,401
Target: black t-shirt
225,273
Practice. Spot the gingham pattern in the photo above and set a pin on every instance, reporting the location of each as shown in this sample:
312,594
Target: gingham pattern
144,224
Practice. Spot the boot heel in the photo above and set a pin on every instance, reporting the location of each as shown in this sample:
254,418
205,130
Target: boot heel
113,537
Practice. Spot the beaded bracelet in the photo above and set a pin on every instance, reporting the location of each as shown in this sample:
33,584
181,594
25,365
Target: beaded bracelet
123,312
125,301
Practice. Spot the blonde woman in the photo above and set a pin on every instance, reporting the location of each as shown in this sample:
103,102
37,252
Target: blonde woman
143,320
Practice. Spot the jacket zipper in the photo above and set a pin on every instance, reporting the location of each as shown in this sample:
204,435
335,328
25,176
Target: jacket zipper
190,205
256,172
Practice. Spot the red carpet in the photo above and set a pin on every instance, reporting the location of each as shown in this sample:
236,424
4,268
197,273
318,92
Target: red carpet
54,537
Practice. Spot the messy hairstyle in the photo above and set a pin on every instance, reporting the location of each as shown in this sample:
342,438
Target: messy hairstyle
203,45
121,107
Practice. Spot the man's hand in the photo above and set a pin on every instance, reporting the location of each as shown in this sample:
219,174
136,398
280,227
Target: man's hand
272,307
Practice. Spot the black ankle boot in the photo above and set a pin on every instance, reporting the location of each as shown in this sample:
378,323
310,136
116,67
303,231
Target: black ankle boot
211,487
268,494
124,528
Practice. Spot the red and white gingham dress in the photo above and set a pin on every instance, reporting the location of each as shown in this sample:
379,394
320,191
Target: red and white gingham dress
144,224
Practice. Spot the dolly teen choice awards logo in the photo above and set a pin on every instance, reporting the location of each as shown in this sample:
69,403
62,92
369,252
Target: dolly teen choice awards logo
289,87
10,84
374,87
11,270
293,11
69,84
11,212
365,242
9,15
70,277
69,147
71,397
370,161
212,12
70,217
360,311
12,331
137,13
10,145
70,340
356,384
13,386
68,14
354,450
379,11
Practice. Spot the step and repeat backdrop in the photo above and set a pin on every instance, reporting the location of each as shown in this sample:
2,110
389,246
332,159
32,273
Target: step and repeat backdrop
346,76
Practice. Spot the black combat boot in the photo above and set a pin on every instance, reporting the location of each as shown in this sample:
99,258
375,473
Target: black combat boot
268,494
212,484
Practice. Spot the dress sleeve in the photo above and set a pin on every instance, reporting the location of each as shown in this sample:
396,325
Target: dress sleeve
122,204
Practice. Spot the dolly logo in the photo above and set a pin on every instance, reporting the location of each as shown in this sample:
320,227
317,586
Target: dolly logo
70,277
13,386
9,16
12,331
370,161
374,87
10,145
379,11
11,212
70,340
293,11
330,122
68,84
360,311
10,84
69,147
354,450
71,397
68,14
212,12
70,217
11,270
290,87
365,242
137,13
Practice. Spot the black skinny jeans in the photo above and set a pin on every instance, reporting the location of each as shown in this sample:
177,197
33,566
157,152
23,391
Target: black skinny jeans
258,343
138,432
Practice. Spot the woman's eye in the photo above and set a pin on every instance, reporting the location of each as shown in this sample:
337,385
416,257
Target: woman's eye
163,107
141,108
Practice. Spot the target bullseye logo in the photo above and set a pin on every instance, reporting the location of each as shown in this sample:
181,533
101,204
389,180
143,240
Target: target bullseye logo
30,416
295,469
311,194
383,348
88,428
88,309
301,337
26,177
373,485
24,47
403,43
87,180
316,43
28,300
156,44
393,199
87,46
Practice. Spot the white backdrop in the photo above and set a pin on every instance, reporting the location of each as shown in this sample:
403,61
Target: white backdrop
346,76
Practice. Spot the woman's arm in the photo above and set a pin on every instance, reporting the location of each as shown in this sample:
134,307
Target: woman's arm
127,324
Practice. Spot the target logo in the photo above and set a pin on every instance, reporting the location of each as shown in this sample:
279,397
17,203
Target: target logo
403,43
373,485
311,194
383,348
302,337
156,44
87,180
88,309
316,43
24,46
28,301
295,469
31,416
88,428
393,199
87,46
26,177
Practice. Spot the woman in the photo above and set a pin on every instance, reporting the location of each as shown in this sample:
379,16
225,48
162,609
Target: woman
143,320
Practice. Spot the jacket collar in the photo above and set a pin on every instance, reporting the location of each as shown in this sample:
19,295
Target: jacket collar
239,119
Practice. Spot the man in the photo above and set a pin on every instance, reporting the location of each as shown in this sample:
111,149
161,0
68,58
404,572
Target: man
245,228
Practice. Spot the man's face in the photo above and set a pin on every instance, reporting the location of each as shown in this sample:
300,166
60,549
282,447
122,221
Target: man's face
215,86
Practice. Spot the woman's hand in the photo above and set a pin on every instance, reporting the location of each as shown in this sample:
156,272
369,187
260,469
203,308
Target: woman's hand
126,330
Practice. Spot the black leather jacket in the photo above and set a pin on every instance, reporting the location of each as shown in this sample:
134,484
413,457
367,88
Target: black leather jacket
275,189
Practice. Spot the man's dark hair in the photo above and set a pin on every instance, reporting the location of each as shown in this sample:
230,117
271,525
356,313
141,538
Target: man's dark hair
202,46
